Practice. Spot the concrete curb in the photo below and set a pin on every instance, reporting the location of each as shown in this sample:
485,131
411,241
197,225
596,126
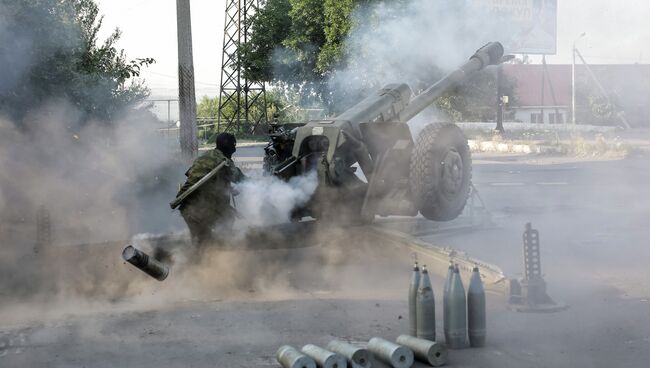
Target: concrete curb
252,144
510,147
510,126
239,145
437,258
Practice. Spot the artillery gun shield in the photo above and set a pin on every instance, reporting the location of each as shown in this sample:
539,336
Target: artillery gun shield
441,172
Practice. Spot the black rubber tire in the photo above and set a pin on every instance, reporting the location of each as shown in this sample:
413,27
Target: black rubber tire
439,194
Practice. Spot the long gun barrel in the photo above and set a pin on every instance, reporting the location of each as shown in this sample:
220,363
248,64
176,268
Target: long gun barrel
393,102
489,54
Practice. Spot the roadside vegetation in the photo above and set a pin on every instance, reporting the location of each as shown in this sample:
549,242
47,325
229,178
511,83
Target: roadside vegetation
50,50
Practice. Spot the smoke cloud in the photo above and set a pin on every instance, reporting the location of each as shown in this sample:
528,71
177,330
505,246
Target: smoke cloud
267,200
412,42
99,181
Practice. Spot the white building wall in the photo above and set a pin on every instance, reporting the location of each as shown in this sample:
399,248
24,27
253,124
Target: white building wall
532,114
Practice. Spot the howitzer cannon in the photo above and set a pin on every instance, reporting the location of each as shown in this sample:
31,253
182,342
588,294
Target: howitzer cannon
431,175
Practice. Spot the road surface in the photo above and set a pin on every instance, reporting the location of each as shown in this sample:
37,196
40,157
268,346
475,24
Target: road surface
593,221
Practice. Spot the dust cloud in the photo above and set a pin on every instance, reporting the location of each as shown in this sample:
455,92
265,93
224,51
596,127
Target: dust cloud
94,182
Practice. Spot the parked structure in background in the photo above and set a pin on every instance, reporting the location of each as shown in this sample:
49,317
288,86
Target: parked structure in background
248,97
606,94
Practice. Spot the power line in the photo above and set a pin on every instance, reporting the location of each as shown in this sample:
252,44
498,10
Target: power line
176,77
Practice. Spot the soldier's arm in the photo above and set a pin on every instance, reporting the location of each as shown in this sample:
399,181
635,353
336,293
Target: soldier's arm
235,175
239,175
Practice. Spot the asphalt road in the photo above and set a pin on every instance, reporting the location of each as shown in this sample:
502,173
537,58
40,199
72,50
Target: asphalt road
593,221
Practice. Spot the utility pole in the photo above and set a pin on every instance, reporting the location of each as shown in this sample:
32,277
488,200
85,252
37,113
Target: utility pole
573,86
247,97
542,120
499,127
186,94
573,80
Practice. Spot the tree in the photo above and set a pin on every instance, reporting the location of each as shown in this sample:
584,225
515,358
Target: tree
304,45
50,49
295,43
269,27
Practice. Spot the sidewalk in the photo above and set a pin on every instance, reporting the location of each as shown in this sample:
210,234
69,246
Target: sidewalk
578,140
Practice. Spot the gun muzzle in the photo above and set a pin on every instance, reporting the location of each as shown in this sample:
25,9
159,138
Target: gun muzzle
144,263
490,54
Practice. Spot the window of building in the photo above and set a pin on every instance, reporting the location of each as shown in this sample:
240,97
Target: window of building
536,118
555,118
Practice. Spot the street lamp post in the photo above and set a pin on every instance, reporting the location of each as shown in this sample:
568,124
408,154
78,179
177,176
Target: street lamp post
573,80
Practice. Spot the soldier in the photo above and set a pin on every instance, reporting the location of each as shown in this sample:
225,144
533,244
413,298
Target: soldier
209,205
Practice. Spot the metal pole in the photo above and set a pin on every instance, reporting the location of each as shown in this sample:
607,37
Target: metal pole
550,86
602,89
499,127
543,88
573,86
573,80
169,109
239,89
186,94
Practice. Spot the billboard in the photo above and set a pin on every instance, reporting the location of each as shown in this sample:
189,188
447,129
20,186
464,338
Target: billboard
531,24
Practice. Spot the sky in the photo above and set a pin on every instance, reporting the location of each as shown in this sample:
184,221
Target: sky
616,32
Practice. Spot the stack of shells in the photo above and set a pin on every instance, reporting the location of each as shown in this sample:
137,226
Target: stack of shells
463,314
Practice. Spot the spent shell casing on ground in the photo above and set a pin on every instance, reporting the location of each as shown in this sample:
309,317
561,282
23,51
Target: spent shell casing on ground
425,308
324,358
356,356
426,351
476,312
144,263
413,293
457,313
289,357
445,301
390,353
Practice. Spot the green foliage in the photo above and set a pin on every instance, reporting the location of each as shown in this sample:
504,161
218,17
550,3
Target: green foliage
475,99
207,113
298,44
207,107
338,26
602,110
281,102
50,49
592,107
269,27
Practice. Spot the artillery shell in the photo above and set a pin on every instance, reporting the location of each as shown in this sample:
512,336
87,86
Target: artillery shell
413,292
426,351
288,357
392,354
144,263
476,314
457,313
426,308
324,358
357,357
445,301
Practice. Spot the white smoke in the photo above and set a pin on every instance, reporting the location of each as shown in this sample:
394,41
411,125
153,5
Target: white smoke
267,200
415,42
412,42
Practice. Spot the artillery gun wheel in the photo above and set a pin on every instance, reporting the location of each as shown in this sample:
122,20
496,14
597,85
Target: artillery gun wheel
441,172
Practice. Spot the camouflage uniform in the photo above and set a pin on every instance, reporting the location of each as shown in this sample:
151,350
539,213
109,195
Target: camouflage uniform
209,205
